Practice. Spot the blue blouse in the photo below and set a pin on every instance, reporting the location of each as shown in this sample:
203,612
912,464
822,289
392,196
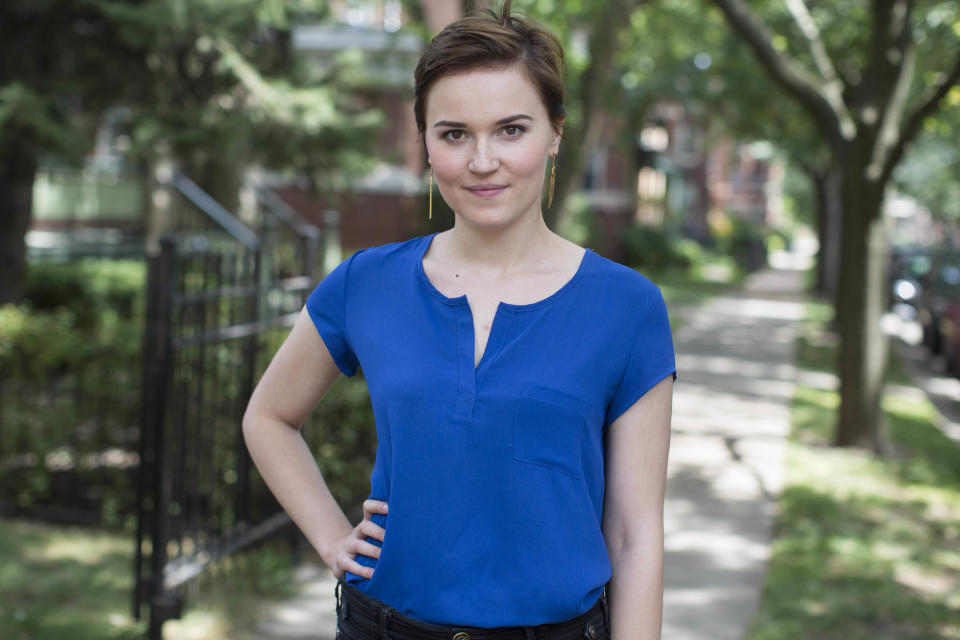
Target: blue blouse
494,473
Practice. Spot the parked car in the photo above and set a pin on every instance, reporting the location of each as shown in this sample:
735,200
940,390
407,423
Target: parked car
949,331
938,288
908,272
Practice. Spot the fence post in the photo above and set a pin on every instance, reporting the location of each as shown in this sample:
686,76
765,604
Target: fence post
152,485
151,354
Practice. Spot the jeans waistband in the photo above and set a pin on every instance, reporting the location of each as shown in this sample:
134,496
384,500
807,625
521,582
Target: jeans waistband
380,621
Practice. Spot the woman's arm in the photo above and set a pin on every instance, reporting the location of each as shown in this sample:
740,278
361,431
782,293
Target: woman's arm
636,474
297,378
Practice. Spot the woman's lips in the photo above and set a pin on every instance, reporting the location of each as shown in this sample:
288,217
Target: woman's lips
487,190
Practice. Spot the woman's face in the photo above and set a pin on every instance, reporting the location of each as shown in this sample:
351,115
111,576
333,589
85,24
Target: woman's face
488,139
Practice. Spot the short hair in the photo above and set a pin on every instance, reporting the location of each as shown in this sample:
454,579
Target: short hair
493,41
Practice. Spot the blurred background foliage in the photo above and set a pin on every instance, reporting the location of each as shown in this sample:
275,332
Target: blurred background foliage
216,87
211,86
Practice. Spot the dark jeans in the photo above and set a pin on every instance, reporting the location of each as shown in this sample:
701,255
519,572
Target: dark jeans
360,617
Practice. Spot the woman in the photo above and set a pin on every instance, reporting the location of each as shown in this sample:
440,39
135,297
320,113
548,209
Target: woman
521,387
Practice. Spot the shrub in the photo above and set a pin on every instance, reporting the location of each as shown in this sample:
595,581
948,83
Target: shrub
69,387
742,240
73,314
36,345
651,248
689,252
70,371
87,287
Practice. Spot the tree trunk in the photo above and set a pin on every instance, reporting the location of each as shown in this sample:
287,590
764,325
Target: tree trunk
578,142
577,146
17,169
833,215
863,346
828,216
818,182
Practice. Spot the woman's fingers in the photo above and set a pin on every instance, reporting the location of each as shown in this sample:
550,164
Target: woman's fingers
349,564
372,529
372,506
354,547
355,544
364,548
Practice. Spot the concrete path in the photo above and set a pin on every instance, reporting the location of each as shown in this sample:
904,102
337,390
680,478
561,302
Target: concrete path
310,615
731,414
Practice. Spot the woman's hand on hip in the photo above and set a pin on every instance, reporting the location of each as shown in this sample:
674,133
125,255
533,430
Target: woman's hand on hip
355,543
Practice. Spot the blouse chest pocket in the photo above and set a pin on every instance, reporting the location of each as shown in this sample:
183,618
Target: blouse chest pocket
548,428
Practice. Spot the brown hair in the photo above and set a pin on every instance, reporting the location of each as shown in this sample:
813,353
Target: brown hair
493,41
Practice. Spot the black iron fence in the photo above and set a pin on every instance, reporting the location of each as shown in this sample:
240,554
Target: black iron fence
70,395
68,441
218,305
160,446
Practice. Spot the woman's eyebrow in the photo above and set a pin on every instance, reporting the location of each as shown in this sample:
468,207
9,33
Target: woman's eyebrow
513,118
519,116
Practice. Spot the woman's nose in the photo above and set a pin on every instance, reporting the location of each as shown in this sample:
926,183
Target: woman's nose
483,160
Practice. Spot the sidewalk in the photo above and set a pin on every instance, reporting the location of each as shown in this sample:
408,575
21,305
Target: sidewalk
310,615
731,414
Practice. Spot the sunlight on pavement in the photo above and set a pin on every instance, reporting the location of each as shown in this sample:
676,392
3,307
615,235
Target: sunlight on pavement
736,381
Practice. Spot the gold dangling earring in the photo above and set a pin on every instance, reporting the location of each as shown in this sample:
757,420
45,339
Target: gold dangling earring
553,179
430,197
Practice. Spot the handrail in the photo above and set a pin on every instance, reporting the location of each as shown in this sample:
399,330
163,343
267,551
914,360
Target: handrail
215,211
285,213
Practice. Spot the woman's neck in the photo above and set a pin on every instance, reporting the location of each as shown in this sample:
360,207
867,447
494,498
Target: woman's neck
522,244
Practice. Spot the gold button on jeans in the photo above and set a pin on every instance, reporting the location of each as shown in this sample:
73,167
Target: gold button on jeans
463,635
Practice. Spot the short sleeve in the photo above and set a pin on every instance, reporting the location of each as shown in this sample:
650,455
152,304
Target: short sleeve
327,306
650,357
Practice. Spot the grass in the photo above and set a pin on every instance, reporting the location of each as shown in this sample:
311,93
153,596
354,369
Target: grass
67,583
58,582
691,286
866,548
816,348
686,288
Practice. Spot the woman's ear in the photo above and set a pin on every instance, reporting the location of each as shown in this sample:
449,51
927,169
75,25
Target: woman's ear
558,135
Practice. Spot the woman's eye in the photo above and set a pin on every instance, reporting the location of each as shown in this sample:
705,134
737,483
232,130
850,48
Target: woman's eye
454,134
512,130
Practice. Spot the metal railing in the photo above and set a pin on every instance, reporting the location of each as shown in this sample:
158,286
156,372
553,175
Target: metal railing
218,305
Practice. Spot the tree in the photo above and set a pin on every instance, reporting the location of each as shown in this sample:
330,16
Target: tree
734,90
592,88
866,111
213,85
591,34
54,82
930,171
224,89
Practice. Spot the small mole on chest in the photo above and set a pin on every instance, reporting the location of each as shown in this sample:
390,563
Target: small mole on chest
456,275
